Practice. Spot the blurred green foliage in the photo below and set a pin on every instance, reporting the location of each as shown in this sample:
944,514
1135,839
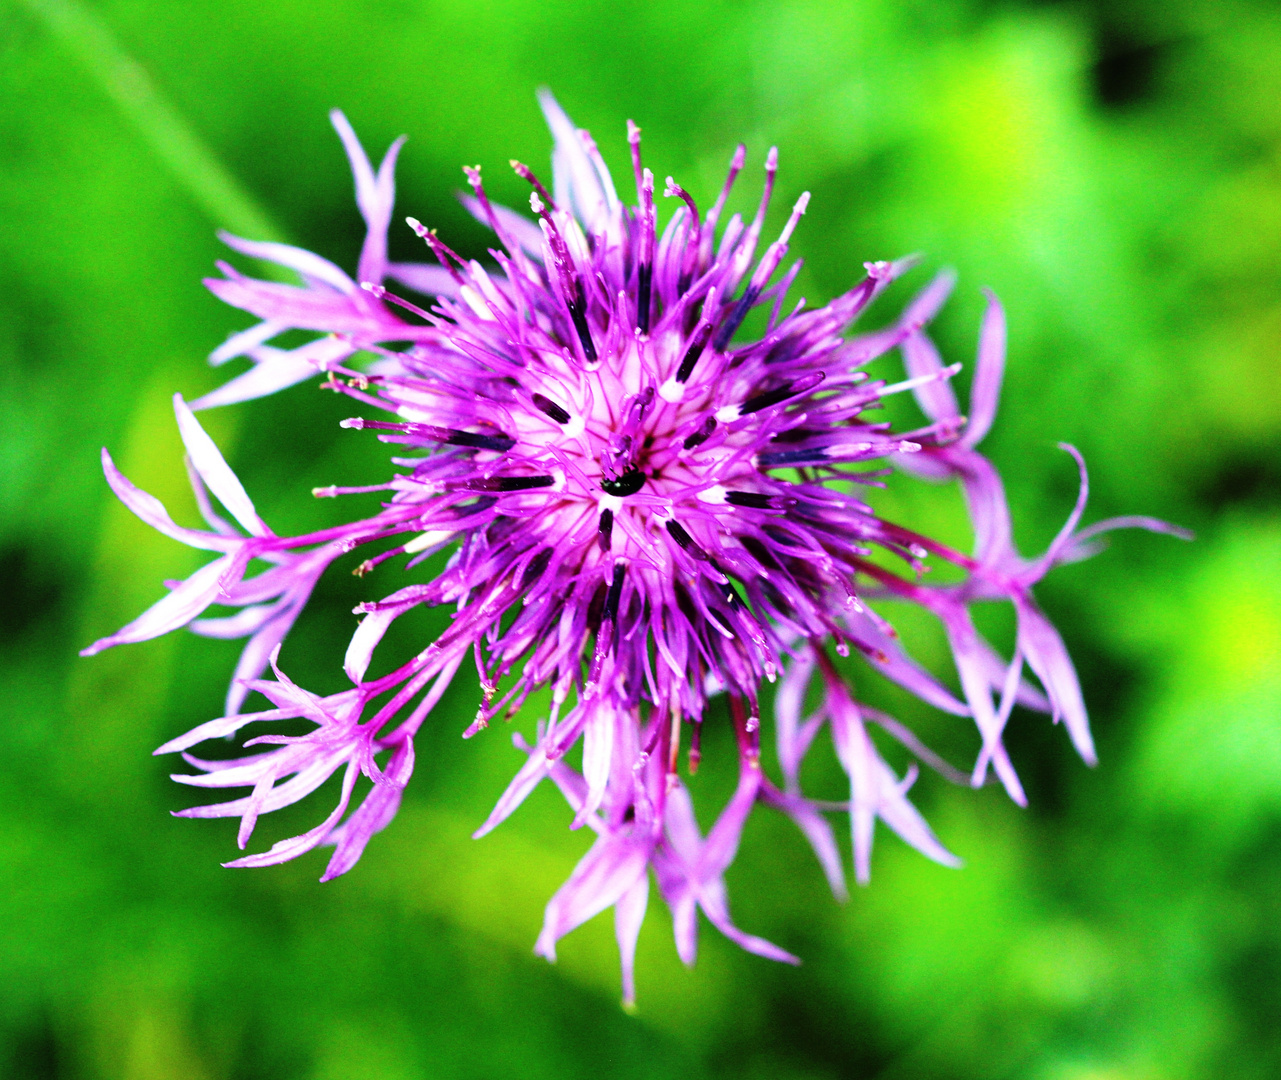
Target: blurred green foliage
1111,169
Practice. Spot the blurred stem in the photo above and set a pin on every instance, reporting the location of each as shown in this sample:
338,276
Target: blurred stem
183,152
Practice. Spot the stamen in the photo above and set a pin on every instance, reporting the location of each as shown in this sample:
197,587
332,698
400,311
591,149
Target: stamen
695,750
645,271
473,178
382,294
615,593
790,389
714,215
690,258
509,483
546,405
526,174
571,285
685,541
701,435
752,499
439,249
606,529
692,354
453,436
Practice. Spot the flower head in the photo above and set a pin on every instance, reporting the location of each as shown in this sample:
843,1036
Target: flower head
647,507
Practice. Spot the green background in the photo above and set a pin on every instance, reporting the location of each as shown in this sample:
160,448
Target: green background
1112,170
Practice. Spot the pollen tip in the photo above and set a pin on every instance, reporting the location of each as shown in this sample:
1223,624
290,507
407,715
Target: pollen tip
324,492
355,422
416,225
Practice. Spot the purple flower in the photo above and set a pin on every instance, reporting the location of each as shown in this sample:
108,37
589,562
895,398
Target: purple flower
646,508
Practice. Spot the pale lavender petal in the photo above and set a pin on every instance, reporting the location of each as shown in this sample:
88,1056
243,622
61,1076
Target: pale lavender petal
515,225
170,612
889,658
610,868
1049,660
152,511
817,831
989,513
305,309
423,278
925,305
1084,546
309,265
276,371
530,775
971,668
241,343
1027,695
986,391
371,816
241,624
214,471
372,627
220,728
285,850
936,398
577,183
629,914
900,815
258,651
1038,569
